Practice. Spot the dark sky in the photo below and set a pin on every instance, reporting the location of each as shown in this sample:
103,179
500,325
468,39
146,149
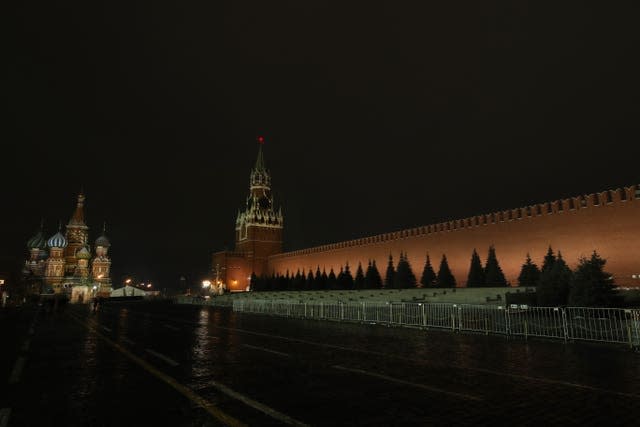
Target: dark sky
378,116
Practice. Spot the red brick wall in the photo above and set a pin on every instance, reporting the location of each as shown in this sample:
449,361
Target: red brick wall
603,222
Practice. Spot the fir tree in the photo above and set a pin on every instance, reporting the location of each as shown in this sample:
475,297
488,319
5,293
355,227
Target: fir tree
389,279
368,278
377,279
549,259
317,280
309,283
428,278
253,283
553,286
298,281
445,278
341,283
476,272
529,274
372,278
347,278
493,273
359,282
287,282
332,281
404,277
323,280
591,286
272,283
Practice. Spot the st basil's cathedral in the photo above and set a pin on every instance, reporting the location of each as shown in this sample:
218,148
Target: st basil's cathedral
64,264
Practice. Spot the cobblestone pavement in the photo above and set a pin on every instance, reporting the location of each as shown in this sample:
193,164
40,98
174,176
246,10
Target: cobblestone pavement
161,364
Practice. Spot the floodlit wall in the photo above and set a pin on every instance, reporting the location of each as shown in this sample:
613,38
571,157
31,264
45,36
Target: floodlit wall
607,222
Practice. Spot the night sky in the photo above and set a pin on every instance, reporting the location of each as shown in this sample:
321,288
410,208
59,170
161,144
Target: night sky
378,116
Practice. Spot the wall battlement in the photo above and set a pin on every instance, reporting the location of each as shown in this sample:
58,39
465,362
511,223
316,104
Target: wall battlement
599,200
607,222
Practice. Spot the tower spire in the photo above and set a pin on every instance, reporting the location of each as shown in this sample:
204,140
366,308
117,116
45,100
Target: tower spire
78,215
260,160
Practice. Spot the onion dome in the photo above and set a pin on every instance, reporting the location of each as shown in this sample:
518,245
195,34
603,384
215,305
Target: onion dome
103,240
37,241
57,241
83,253
43,254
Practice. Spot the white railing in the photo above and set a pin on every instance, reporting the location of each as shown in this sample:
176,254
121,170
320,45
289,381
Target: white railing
572,323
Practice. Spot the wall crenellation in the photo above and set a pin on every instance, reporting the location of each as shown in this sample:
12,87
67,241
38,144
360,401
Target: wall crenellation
555,207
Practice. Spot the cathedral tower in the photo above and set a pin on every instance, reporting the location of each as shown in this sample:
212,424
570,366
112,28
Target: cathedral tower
259,225
55,265
101,264
77,235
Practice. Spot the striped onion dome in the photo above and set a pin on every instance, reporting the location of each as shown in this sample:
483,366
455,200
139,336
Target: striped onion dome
37,241
57,241
83,253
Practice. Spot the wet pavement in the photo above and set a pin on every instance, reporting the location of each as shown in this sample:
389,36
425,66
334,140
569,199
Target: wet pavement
138,363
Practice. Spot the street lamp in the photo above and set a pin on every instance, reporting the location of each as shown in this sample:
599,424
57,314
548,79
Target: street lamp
206,286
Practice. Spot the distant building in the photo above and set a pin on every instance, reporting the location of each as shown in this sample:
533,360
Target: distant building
607,222
64,263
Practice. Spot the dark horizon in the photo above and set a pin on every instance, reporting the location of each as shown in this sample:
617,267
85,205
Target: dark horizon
375,119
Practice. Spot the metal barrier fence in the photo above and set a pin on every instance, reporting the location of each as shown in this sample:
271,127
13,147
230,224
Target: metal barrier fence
572,323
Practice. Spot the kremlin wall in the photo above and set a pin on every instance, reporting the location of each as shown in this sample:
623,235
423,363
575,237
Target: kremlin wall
607,222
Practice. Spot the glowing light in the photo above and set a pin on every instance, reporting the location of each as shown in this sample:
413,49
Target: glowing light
206,283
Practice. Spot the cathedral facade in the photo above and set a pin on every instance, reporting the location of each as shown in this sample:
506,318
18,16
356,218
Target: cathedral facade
64,263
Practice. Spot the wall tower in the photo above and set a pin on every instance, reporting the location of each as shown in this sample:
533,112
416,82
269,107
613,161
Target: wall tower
259,225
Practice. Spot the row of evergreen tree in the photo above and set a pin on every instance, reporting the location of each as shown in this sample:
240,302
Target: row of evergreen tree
400,277
557,284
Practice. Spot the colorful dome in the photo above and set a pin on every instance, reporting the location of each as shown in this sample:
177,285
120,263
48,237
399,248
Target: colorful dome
37,241
83,253
57,241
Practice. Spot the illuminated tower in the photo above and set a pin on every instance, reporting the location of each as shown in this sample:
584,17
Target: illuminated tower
36,245
83,256
54,270
77,236
101,264
259,226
